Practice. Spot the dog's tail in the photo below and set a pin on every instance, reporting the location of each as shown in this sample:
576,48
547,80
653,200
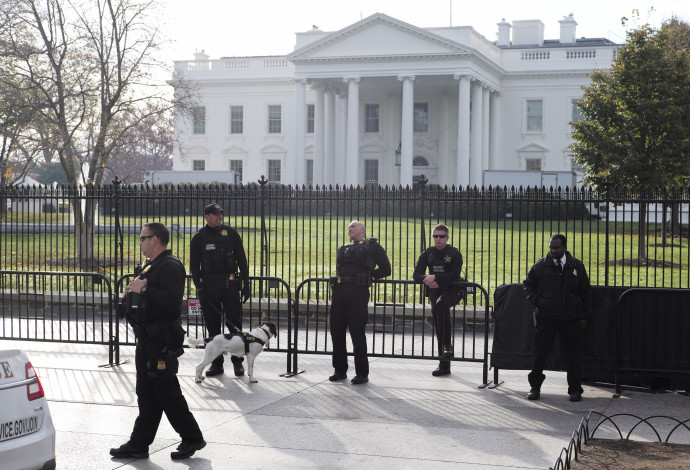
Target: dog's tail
195,342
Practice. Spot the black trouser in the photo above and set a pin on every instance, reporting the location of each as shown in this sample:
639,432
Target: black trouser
156,396
569,333
440,309
222,296
349,310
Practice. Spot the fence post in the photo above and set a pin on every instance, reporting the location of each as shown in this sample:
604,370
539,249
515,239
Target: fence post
115,340
607,188
264,235
422,181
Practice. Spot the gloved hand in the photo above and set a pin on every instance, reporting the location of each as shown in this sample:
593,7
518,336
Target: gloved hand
200,293
246,291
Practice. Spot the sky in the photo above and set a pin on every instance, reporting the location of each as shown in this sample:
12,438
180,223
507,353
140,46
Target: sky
224,28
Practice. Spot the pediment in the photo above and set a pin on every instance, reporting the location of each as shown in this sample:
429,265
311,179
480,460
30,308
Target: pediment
377,36
533,148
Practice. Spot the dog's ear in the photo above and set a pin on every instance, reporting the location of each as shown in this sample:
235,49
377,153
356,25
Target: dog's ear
272,327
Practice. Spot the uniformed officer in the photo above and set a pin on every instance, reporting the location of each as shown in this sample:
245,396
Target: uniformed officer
444,263
357,263
220,273
160,336
558,288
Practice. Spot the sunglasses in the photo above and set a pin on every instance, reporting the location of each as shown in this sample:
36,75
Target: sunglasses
144,237
439,236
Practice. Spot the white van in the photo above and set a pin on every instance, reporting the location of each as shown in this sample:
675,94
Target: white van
27,435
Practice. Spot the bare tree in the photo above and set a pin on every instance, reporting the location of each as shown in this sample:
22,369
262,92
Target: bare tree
90,65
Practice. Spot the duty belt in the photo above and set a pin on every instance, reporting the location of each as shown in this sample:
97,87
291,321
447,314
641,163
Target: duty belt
358,280
218,277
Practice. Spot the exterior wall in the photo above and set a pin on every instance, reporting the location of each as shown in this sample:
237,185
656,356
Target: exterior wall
379,52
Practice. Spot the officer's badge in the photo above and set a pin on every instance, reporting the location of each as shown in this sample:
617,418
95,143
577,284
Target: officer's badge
447,259
231,276
161,365
574,272
224,233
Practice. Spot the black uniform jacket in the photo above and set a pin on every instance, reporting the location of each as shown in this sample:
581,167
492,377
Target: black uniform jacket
445,265
362,256
209,254
566,296
164,288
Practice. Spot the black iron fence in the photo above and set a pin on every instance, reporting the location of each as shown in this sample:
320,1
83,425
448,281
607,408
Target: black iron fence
625,238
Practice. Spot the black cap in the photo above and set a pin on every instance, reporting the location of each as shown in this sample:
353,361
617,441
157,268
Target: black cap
213,209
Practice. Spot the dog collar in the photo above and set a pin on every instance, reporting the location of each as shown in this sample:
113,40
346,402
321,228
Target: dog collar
268,333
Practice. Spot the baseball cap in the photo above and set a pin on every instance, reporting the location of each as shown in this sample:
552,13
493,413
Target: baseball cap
213,209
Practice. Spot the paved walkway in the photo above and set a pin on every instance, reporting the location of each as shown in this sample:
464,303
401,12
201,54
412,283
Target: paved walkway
403,418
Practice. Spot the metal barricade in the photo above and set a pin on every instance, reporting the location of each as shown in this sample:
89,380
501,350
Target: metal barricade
653,334
400,322
271,300
66,307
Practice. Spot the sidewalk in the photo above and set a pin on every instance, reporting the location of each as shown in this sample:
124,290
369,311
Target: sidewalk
403,418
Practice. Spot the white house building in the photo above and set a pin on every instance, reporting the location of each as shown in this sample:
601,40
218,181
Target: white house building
382,101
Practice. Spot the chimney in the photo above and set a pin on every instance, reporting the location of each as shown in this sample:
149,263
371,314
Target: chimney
568,25
504,33
528,33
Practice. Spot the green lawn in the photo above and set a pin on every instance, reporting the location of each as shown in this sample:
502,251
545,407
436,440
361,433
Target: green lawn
495,252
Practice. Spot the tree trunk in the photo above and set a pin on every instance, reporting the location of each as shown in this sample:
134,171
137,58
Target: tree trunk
675,220
84,208
664,211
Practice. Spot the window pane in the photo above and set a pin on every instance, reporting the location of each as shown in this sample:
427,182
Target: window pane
274,119
534,115
421,117
236,119
199,165
371,123
533,164
274,170
577,112
371,171
236,165
199,120
309,169
310,119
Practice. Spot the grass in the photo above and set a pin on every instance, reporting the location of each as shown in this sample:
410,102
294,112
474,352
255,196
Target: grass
495,252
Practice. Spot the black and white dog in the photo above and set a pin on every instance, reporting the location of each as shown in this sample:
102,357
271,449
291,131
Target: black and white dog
250,344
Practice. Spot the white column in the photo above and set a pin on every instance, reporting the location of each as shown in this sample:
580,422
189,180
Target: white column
300,130
406,129
352,159
318,167
462,169
494,151
444,167
476,136
328,137
340,138
485,131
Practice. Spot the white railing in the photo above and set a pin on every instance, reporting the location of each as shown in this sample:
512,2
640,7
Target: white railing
581,54
536,55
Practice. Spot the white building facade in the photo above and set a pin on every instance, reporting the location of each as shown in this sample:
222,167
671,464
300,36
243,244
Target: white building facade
382,101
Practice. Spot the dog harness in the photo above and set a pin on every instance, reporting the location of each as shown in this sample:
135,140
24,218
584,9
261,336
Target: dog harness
248,339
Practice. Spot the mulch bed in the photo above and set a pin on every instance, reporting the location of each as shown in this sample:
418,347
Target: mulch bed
624,454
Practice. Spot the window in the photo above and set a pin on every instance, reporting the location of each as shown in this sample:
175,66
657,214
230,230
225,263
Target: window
236,165
533,164
274,119
421,117
309,171
371,118
371,172
199,165
310,119
274,171
534,115
576,113
199,115
420,161
236,119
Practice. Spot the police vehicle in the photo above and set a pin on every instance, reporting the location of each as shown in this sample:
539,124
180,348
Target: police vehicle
27,435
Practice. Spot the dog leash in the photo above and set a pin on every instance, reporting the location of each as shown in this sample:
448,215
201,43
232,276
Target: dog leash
232,327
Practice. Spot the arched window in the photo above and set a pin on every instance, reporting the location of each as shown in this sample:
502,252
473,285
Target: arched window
420,161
